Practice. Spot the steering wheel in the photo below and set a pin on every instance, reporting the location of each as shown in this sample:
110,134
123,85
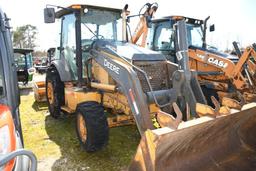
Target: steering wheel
86,48
97,37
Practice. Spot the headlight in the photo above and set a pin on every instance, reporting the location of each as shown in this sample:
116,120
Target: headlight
31,70
4,140
7,135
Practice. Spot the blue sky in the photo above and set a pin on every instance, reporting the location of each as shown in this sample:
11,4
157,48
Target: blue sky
235,20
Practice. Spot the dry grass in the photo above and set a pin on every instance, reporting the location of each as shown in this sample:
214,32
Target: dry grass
56,146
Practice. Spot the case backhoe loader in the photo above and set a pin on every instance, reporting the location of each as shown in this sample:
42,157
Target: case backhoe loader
97,70
12,155
217,73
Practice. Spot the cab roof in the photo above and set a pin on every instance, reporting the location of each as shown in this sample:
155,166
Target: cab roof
68,10
177,18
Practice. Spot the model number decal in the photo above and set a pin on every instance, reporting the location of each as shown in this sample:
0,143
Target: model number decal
217,62
200,56
111,66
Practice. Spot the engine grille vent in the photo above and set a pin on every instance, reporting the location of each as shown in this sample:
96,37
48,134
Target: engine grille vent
156,72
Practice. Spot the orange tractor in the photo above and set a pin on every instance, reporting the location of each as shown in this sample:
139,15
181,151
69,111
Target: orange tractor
12,155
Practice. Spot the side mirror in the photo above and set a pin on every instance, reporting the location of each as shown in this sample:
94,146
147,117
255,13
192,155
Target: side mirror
212,28
49,15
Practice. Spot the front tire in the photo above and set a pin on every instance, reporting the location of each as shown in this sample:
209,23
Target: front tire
54,92
91,126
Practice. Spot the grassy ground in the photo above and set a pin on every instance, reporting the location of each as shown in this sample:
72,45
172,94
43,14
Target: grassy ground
56,146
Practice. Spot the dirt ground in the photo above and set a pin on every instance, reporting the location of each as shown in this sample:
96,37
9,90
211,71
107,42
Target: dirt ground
56,145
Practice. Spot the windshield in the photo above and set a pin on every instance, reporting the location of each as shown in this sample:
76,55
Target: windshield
194,35
95,24
20,60
164,36
101,24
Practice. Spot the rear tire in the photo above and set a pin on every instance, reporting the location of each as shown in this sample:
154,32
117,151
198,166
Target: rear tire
91,126
54,92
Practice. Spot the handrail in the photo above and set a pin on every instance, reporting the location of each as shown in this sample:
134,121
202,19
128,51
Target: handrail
6,158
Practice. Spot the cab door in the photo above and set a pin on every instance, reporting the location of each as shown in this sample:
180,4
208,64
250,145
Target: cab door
68,44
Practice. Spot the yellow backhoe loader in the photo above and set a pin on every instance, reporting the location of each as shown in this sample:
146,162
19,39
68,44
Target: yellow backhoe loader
97,70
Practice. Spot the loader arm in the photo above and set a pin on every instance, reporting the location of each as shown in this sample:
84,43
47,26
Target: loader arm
191,88
130,85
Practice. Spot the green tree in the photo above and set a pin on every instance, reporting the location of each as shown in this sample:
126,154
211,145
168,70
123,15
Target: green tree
25,36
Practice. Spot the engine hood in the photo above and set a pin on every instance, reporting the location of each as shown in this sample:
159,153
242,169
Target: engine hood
233,58
224,55
127,50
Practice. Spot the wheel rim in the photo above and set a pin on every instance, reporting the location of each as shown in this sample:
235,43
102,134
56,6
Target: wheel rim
81,127
50,94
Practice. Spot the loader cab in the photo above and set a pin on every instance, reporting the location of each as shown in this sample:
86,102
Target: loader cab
24,63
81,25
163,35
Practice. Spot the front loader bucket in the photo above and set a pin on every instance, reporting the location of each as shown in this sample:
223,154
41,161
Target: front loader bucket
225,143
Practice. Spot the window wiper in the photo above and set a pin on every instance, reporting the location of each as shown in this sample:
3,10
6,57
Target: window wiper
89,29
199,32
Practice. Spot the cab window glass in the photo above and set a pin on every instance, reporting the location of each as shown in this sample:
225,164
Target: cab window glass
69,43
194,34
164,37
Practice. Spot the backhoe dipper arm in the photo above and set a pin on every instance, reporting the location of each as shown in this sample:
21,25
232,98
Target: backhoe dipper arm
251,51
251,65
242,63
130,85
142,26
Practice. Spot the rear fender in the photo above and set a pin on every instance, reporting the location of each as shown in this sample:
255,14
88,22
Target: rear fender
63,70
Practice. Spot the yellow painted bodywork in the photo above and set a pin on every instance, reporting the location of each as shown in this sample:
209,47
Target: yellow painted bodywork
116,101
74,97
100,74
110,98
